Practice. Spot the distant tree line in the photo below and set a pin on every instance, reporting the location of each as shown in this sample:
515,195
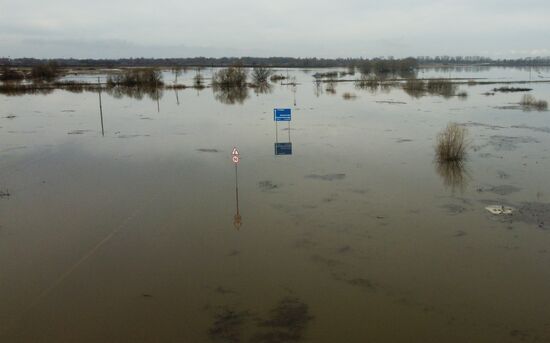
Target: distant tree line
388,64
479,60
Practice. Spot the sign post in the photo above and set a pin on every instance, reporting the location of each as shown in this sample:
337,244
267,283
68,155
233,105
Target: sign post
235,157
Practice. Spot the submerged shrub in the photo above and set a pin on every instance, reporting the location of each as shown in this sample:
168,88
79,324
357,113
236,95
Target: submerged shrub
277,77
451,144
529,102
139,77
45,71
367,81
349,96
198,81
231,76
261,74
10,74
441,86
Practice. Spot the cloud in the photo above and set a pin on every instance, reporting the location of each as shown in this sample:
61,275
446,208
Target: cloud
171,28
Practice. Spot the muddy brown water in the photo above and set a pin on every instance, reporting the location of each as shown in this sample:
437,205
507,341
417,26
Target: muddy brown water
358,236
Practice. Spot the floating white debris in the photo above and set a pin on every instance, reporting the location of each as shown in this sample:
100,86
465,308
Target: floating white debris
499,209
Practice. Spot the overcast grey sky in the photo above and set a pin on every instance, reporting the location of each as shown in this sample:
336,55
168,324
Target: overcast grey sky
300,28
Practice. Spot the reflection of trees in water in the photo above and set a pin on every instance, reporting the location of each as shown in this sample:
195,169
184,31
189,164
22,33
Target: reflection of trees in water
263,88
453,174
331,87
318,88
138,93
230,95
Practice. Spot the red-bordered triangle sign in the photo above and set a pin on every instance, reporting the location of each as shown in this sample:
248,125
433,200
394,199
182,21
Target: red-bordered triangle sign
235,152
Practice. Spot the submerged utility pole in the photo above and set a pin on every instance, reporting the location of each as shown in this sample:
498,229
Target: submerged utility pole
100,106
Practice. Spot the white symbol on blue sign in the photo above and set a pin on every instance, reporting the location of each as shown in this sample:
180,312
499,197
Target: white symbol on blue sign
282,114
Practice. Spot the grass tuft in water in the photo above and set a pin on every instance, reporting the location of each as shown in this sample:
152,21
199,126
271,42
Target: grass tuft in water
452,144
529,102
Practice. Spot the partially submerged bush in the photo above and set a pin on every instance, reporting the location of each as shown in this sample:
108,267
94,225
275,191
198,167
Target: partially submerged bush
367,81
277,77
349,96
10,74
452,144
529,102
230,77
140,77
45,71
507,89
441,86
261,74
198,81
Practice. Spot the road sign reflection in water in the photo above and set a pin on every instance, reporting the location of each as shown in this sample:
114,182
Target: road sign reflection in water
283,148
237,219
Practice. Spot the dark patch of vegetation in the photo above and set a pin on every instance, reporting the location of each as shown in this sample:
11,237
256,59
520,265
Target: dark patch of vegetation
175,86
261,75
415,87
140,77
198,81
367,82
228,326
452,144
4,193
327,75
277,77
286,322
349,96
528,102
45,71
442,87
511,89
267,185
234,76
11,74
380,66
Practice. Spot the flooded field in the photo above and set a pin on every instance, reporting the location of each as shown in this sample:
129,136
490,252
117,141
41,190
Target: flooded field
147,232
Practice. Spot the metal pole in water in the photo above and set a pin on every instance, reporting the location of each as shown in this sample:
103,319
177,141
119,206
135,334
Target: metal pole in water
157,91
100,106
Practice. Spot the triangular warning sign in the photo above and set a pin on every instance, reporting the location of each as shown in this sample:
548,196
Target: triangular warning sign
235,152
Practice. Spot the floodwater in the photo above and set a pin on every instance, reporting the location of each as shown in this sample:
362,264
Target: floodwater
136,235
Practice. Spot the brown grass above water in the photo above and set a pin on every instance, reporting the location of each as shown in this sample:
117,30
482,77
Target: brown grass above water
349,96
529,102
452,144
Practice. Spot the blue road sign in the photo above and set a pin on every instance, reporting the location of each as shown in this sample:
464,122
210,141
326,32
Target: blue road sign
282,114
283,148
